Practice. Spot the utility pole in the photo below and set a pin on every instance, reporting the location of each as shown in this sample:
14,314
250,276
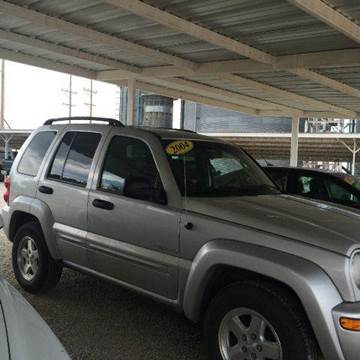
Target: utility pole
91,92
70,94
2,96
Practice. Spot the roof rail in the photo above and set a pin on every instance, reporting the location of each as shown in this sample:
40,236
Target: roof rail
111,122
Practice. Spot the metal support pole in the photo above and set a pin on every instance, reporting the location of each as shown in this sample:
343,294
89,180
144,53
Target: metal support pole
294,150
2,99
182,114
353,158
8,154
130,120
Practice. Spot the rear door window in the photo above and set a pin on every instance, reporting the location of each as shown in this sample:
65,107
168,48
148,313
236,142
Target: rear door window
35,153
74,156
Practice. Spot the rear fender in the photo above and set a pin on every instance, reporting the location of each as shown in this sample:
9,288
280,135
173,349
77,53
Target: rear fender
43,214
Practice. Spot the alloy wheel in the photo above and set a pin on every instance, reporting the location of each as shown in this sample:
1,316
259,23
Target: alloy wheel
28,258
244,334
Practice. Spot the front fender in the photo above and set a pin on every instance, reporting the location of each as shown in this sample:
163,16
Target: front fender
313,286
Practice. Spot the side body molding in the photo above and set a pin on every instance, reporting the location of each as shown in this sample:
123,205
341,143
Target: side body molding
316,291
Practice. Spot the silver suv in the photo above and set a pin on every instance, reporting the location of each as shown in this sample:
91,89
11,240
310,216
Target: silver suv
195,223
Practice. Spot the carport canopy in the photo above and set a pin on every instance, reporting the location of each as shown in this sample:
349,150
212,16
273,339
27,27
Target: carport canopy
296,58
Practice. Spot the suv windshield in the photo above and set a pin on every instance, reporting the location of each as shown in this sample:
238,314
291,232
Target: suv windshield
203,168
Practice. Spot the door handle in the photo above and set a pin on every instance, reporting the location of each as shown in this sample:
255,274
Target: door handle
102,204
45,189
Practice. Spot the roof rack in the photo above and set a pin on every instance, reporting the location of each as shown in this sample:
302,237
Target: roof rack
111,122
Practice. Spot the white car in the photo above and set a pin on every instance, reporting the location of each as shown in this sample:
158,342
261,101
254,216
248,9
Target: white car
24,335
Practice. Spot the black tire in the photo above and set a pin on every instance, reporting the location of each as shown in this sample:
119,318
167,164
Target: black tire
48,271
273,303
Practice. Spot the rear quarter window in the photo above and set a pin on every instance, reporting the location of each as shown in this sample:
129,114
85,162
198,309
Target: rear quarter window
35,152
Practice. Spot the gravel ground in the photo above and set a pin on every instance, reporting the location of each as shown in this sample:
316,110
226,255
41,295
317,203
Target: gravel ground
98,320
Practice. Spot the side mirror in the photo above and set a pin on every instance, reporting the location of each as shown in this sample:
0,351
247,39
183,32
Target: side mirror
140,188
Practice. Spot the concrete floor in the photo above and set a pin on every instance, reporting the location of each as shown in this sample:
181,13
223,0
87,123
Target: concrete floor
98,320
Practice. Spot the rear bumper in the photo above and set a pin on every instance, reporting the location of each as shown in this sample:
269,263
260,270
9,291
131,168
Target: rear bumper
349,340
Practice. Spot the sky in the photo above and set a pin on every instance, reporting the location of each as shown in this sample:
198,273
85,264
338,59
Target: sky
33,95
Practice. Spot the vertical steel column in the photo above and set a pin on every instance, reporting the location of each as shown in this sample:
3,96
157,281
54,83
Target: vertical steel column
8,153
294,150
182,114
354,152
2,96
130,120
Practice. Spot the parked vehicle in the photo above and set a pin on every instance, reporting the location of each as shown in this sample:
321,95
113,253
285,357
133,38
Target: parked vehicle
6,165
24,335
339,188
195,223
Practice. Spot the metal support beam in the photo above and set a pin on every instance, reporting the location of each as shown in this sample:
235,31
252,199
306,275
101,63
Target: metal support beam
228,96
315,60
271,90
130,120
294,151
36,17
185,26
354,150
330,16
40,62
28,41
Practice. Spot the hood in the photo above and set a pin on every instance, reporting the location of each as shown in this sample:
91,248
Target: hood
316,223
29,337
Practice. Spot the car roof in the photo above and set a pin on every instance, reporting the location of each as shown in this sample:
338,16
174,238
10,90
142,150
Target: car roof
320,171
163,133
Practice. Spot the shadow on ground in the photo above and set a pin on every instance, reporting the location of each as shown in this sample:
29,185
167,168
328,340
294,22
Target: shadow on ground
95,319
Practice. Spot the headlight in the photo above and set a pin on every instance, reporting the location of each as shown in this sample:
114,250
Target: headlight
355,269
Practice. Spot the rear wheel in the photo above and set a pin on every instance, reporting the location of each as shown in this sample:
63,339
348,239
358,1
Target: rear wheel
34,268
257,321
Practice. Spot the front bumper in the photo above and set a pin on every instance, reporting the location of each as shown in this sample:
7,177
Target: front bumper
349,340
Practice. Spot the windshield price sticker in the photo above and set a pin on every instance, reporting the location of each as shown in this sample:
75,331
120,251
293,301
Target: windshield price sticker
179,147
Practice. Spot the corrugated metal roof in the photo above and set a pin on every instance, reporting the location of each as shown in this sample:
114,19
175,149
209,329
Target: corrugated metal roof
273,26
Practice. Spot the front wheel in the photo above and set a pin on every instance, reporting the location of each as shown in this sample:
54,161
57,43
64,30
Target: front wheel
34,268
254,320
